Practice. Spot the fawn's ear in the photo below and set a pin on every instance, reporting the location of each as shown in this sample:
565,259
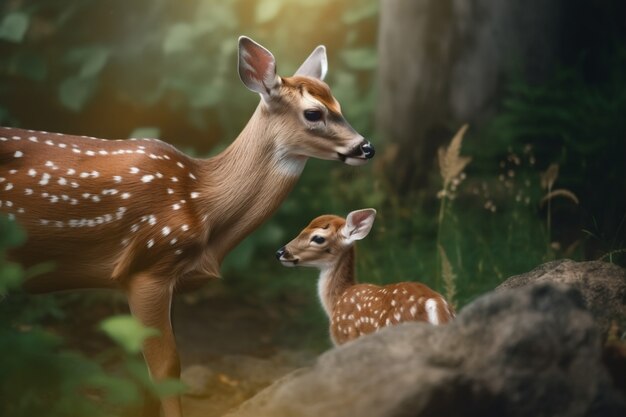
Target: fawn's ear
257,68
358,224
316,65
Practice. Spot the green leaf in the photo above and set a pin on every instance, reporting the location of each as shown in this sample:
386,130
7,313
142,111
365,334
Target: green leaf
95,60
127,332
267,10
146,132
11,234
14,26
360,58
10,276
30,65
179,38
74,92
356,14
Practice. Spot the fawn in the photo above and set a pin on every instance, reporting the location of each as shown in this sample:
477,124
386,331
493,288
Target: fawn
353,309
141,216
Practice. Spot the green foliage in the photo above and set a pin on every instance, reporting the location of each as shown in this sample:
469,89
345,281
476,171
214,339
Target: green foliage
13,26
578,122
127,332
180,56
40,375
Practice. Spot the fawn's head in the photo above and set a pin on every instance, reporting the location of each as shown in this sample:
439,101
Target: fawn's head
307,117
323,241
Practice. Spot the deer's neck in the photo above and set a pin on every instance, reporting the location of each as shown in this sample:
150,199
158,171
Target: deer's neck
335,279
245,184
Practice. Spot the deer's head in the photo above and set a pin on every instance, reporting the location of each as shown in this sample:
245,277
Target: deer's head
306,117
326,238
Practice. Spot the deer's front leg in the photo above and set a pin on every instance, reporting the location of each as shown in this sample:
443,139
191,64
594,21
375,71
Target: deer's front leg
150,298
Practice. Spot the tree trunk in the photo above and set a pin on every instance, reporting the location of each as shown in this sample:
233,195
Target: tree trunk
443,63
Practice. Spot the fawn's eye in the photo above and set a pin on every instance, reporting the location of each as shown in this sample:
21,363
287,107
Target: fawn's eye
313,115
318,239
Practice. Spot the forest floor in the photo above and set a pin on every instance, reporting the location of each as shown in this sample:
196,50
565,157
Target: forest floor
231,346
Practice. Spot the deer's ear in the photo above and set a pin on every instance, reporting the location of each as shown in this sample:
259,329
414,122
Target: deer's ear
358,224
316,65
257,68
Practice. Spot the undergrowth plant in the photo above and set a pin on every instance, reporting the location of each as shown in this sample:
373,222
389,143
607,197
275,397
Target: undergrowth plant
41,376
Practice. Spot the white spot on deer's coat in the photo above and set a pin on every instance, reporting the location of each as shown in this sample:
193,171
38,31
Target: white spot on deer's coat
184,227
71,171
147,178
18,154
76,150
170,191
152,220
150,243
178,251
193,177
62,181
180,164
62,145
397,316
117,178
134,227
32,139
90,153
28,191
173,241
8,187
413,311
125,195
431,310
134,170
176,206
174,179
194,195
166,231
44,179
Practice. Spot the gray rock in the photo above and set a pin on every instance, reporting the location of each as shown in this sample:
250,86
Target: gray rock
603,286
533,351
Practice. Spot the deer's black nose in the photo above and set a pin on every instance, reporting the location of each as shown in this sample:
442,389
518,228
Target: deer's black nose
368,150
280,252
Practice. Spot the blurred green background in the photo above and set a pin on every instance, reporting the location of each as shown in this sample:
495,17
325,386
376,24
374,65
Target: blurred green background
547,138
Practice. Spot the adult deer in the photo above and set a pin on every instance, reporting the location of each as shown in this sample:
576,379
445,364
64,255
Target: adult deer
353,309
141,216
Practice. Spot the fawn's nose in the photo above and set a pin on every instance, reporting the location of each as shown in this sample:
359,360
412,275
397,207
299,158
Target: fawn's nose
368,150
280,253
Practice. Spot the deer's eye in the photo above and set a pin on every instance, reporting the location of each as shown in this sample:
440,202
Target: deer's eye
313,115
318,239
